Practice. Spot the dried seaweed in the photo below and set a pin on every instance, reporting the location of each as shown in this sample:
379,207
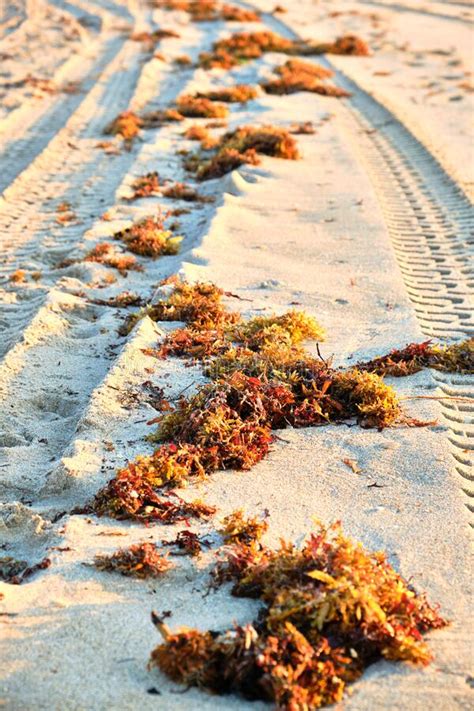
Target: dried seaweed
331,610
240,93
297,75
141,560
289,329
196,107
224,161
232,13
241,146
152,38
122,300
200,305
238,529
366,395
170,464
146,186
183,60
183,191
106,254
346,45
201,134
127,125
18,276
455,358
16,571
194,343
188,543
129,496
149,238
155,119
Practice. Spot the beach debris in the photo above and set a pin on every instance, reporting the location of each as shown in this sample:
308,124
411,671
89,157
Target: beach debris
239,93
303,128
131,496
297,75
352,464
196,107
201,134
331,609
16,571
141,560
106,254
149,237
127,125
240,146
183,191
150,39
18,276
183,60
454,358
146,186
236,528
199,305
187,542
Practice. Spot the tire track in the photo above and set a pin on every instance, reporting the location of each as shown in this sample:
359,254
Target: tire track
399,7
430,221
69,169
12,16
69,341
27,131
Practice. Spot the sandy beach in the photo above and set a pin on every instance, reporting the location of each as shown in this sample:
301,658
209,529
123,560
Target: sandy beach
369,233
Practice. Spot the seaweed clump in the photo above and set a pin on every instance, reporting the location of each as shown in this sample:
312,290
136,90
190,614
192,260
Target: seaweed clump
130,496
187,543
238,94
243,145
182,191
296,75
141,560
149,238
349,45
146,186
199,305
291,328
201,134
106,254
454,358
127,125
16,571
232,13
198,107
151,38
236,528
331,609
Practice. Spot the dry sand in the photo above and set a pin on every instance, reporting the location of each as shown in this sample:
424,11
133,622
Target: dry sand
367,233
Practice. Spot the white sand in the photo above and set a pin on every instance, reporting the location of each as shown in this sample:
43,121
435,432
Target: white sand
320,232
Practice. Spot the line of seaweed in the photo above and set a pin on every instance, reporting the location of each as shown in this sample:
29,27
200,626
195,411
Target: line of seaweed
261,379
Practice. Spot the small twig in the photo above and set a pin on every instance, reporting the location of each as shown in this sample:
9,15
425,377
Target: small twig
326,362
281,439
236,296
182,391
